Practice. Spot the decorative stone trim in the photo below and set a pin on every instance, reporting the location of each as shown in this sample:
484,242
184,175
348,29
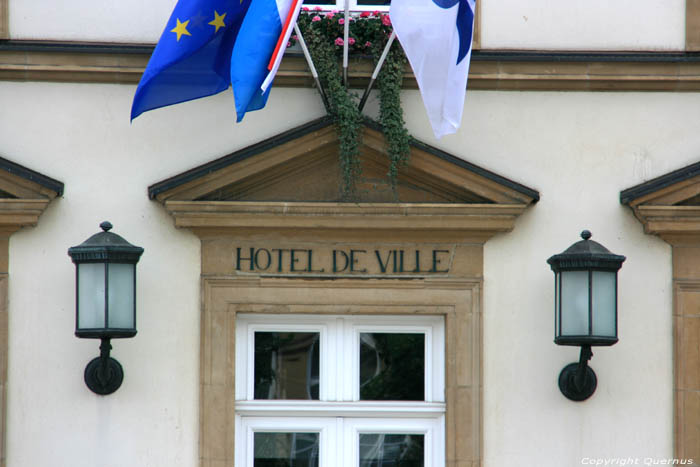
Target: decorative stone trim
669,207
488,70
25,196
692,25
4,19
458,301
484,220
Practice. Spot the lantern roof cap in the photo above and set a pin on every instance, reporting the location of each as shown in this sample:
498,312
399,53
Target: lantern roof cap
586,254
105,246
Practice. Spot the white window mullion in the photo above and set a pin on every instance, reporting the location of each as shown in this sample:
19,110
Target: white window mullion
339,416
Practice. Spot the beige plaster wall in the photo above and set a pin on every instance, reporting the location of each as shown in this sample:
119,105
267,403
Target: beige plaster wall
510,24
81,135
578,149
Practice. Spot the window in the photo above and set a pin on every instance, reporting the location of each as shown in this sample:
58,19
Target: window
340,390
355,5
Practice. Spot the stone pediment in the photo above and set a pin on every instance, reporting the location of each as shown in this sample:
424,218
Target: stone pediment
24,194
293,180
669,205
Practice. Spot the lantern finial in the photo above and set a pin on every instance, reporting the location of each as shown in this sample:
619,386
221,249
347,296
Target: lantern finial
586,234
106,226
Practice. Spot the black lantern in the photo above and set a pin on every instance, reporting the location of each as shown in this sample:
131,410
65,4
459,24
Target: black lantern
585,308
105,301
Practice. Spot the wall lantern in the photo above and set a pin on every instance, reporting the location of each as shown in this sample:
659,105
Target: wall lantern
105,266
585,308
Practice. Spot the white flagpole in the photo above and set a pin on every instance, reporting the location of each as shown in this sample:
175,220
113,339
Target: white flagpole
314,73
346,34
375,73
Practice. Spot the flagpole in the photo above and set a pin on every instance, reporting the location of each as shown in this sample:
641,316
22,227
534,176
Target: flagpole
314,73
376,69
346,34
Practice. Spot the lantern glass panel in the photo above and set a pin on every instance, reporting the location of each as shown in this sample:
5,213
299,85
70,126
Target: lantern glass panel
557,302
604,303
574,303
91,295
121,296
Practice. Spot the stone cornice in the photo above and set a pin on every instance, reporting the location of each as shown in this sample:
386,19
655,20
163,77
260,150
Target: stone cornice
480,221
490,70
675,224
17,213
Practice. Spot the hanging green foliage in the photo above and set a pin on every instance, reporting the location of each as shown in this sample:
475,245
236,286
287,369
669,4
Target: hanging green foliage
369,32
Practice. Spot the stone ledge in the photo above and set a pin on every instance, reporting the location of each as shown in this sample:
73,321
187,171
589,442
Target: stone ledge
490,70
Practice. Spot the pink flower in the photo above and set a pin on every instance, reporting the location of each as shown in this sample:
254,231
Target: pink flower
315,18
386,21
289,44
377,13
341,21
339,41
306,8
368,44
295,37
351,41
330,15
365,14
318,8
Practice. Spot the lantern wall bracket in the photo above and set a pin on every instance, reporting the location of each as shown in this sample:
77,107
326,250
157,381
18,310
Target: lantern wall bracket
104,374
577,381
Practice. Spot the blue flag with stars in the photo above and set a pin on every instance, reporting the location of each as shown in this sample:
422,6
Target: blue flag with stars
193,56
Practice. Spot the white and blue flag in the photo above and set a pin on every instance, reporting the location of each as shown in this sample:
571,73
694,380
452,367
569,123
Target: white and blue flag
436,36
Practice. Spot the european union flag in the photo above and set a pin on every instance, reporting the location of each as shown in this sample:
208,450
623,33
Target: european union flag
193,56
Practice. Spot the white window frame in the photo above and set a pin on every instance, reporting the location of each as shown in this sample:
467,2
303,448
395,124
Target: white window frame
339,416
354,7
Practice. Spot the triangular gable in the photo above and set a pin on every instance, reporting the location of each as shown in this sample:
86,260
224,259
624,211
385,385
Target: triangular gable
276,169
669,205
24,194
296,175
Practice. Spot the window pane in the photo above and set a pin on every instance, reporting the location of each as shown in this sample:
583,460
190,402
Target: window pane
286,365
320,2
604,303
91,295
392,366
374,2
285,450
574,303
388,450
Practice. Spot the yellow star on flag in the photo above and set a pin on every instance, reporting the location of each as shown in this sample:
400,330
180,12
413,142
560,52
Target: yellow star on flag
218,21
181,29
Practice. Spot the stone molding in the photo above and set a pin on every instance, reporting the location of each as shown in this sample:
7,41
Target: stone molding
692,25
489,70
4,20
458,301
24,195
482,220
669,206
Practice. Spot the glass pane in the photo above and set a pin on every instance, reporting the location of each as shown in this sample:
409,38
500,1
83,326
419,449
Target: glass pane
285,449
91,296
121,295
556,304
392,366
320,2
374,2
604,303
389,450
286,365
574,303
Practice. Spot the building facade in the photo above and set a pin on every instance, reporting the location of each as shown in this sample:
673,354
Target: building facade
575,118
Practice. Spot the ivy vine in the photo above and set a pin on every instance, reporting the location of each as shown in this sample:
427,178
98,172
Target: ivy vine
369,33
